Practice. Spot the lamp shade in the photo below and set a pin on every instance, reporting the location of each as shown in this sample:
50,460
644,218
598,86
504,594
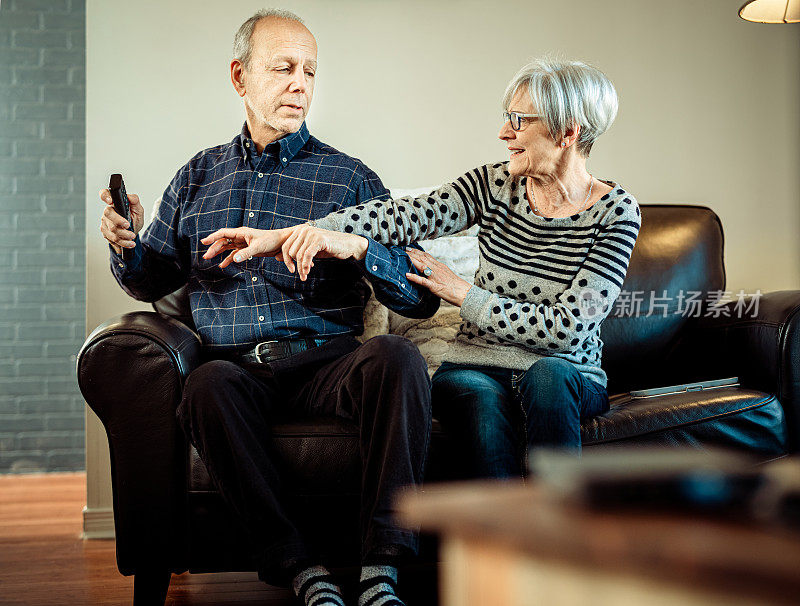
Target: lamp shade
771,11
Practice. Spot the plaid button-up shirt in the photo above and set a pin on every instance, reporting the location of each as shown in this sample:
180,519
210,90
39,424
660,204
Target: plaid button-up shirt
293,180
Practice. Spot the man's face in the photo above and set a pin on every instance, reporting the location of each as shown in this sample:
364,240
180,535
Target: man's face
278,85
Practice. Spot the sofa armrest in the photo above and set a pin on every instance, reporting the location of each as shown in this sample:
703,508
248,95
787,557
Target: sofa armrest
131,371
763,350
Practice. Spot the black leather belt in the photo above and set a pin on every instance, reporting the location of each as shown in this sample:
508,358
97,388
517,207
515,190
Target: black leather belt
269,351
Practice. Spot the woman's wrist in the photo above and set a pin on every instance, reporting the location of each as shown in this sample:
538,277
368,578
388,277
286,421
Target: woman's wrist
460,292
361,246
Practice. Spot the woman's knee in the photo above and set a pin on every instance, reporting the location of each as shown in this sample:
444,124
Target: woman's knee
551,367
465,387
468,397
553,376
551,386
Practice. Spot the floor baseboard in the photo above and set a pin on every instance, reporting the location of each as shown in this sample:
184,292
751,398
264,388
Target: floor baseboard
98,523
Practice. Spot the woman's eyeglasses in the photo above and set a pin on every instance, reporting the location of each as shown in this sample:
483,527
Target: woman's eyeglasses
515,118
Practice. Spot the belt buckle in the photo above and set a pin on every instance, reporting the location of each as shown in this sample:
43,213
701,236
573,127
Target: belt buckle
257,351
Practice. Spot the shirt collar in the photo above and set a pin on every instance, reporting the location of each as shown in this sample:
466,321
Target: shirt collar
287,146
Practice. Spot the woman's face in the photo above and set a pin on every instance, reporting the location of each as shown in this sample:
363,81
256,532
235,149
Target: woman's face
533,150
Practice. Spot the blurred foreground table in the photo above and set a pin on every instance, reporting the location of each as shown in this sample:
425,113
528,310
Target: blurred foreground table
509,544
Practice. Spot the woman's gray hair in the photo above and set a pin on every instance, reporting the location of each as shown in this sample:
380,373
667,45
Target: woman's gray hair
242,41
566,93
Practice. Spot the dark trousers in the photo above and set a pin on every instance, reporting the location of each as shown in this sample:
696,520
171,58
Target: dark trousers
382,386
495,414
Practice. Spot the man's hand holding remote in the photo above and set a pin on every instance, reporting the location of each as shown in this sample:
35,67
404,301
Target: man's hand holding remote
116,229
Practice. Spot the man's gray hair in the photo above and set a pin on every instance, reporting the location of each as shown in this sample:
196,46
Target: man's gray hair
242,41
566,93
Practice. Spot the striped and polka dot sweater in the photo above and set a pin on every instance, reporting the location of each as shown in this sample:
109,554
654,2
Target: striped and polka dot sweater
543,285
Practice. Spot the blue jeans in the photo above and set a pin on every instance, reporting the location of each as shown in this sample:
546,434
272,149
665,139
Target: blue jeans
495,414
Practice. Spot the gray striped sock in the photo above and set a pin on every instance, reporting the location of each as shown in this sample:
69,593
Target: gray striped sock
316,587
377,586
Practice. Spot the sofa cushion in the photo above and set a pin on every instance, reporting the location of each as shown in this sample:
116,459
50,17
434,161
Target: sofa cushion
728,417
321,457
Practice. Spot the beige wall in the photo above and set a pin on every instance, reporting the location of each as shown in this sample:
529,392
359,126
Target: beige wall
708,107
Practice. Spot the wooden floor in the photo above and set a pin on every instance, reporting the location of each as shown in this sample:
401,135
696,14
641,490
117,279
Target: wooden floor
44,561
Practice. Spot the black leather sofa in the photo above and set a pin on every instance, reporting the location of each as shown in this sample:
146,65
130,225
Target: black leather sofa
170,519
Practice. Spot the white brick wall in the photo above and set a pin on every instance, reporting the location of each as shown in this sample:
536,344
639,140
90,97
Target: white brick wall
42,250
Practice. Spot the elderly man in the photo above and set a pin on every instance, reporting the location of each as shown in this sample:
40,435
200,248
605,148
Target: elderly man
279,345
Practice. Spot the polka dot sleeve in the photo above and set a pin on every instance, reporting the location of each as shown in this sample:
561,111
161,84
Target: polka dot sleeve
445,211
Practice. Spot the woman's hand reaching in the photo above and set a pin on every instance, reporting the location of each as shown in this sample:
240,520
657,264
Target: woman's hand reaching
441,280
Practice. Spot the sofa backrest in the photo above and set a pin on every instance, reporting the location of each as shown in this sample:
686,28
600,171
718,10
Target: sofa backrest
176,305
678,253
678,256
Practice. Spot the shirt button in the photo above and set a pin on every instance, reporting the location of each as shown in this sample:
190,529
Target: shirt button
284,159
260,174
122,265
252,215
260,318
247,143
402,286
374,268
254,279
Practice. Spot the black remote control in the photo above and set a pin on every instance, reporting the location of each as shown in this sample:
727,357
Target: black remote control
117,188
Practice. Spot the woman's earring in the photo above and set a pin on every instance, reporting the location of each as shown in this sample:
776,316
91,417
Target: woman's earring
563,144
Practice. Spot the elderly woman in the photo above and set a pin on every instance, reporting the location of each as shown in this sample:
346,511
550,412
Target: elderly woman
555,243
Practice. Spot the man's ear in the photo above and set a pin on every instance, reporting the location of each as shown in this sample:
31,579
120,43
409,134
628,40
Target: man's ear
237,77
